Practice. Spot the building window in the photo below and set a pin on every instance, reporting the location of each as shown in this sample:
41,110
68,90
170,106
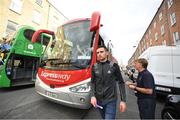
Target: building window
173,19
149,32
39,2
139,50
141,44
36,17
16,6
170,3
11,27
176,38
162,30
55,18
144,44
156,36
147,45
160,16
150,42
164,42
55,22
144,41
154,24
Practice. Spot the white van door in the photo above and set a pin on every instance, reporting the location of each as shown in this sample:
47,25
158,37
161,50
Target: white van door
176,66
161,68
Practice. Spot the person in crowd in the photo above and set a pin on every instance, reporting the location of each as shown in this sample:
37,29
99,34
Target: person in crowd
144,90
105,75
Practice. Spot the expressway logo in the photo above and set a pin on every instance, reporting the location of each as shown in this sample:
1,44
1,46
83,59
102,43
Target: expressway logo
64,77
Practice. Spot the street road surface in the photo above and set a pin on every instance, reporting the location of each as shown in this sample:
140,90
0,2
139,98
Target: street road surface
25,103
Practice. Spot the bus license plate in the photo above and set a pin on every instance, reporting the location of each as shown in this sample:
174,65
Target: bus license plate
51,94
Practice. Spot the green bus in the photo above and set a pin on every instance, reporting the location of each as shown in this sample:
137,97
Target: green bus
19,58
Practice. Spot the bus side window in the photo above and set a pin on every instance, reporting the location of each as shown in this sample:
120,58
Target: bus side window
8,69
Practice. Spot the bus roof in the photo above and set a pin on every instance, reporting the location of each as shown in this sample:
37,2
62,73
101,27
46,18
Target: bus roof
76,20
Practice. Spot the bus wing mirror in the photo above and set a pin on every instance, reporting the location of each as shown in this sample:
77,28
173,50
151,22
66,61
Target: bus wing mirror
37,33
95,21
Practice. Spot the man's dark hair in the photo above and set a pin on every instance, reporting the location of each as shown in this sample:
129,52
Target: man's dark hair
102,46
143,62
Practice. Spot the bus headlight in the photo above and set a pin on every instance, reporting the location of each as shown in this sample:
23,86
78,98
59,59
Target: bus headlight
81,88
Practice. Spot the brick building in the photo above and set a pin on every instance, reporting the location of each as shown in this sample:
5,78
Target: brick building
164,28
40,14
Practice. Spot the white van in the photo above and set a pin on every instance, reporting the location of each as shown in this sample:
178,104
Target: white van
164,64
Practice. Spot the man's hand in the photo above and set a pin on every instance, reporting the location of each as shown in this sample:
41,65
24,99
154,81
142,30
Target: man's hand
122,106
93,101
132,87
130,83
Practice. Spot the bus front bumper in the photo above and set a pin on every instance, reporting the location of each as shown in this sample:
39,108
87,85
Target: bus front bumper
76,100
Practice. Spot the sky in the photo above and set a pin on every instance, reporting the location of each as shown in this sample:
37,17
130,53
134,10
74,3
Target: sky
124,21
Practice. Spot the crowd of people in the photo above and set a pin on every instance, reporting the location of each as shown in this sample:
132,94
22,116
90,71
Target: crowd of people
4,48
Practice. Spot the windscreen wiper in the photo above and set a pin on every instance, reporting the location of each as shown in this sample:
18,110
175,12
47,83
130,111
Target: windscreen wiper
75,64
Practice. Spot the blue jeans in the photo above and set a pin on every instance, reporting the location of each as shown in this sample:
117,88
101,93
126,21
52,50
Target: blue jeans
109,110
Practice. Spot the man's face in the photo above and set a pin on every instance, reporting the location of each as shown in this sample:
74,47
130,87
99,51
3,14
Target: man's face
137,65
101,54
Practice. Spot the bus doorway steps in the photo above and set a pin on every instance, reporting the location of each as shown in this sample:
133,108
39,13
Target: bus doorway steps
22,81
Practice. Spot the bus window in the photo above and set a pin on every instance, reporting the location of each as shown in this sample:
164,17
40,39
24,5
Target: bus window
28,33
21,69
43,39
73,48
17,63
9,68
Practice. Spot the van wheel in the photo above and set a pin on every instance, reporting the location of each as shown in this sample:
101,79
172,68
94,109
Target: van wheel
169,113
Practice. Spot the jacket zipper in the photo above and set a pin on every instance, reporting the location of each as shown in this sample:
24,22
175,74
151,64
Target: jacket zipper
102,82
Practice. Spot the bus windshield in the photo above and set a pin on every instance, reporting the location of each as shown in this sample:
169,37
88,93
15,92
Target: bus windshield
72,48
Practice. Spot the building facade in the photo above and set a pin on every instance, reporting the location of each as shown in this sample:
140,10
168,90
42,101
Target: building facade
164,29
40,14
